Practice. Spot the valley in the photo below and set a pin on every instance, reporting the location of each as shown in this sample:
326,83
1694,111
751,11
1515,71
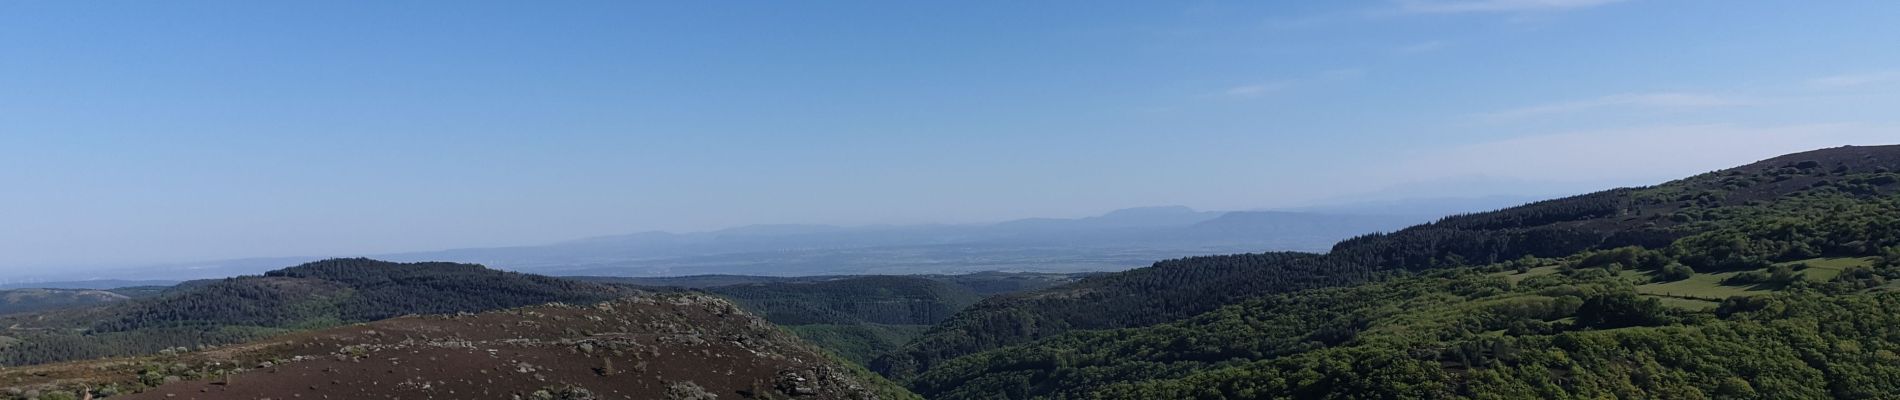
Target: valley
1771,280
973,200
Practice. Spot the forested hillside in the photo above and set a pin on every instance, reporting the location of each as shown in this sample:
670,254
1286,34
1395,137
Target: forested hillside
1584,332
1727,232
318,294
1166,291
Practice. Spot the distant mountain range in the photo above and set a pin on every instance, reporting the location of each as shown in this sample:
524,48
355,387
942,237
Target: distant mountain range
1112,241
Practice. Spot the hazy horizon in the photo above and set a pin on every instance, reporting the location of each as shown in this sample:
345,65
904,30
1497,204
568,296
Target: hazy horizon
143,133
1345,206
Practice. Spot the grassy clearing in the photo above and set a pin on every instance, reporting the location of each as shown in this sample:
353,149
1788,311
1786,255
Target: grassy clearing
1636,277
1824,269
1707,291
1704,291
1706,286
1514,277
1837,264
1687,304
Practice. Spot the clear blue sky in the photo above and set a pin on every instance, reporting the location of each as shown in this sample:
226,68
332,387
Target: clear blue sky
143,131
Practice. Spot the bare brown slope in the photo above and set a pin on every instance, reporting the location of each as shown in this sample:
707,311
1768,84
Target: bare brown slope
669,346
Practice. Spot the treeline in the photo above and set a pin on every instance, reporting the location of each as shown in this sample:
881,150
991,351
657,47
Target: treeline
47,347
383,289
235,301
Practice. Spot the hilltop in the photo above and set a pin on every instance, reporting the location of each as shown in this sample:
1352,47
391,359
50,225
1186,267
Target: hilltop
312,295
652,346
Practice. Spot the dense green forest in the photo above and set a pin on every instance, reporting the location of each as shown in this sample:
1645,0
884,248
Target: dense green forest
1584,332
317,294
1646,292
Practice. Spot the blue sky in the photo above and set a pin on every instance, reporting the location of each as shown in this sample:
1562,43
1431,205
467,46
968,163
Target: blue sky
135,132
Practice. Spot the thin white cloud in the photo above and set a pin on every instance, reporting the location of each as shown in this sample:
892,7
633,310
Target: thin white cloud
1856,80
1257,90
1652,101
1636,154
1341,74
1494,6
1302,21
1422,47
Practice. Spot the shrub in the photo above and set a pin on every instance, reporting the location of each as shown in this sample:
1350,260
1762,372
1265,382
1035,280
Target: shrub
1620,309
687,390
1674,272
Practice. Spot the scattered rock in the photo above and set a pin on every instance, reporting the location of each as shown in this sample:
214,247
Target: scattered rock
687,390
